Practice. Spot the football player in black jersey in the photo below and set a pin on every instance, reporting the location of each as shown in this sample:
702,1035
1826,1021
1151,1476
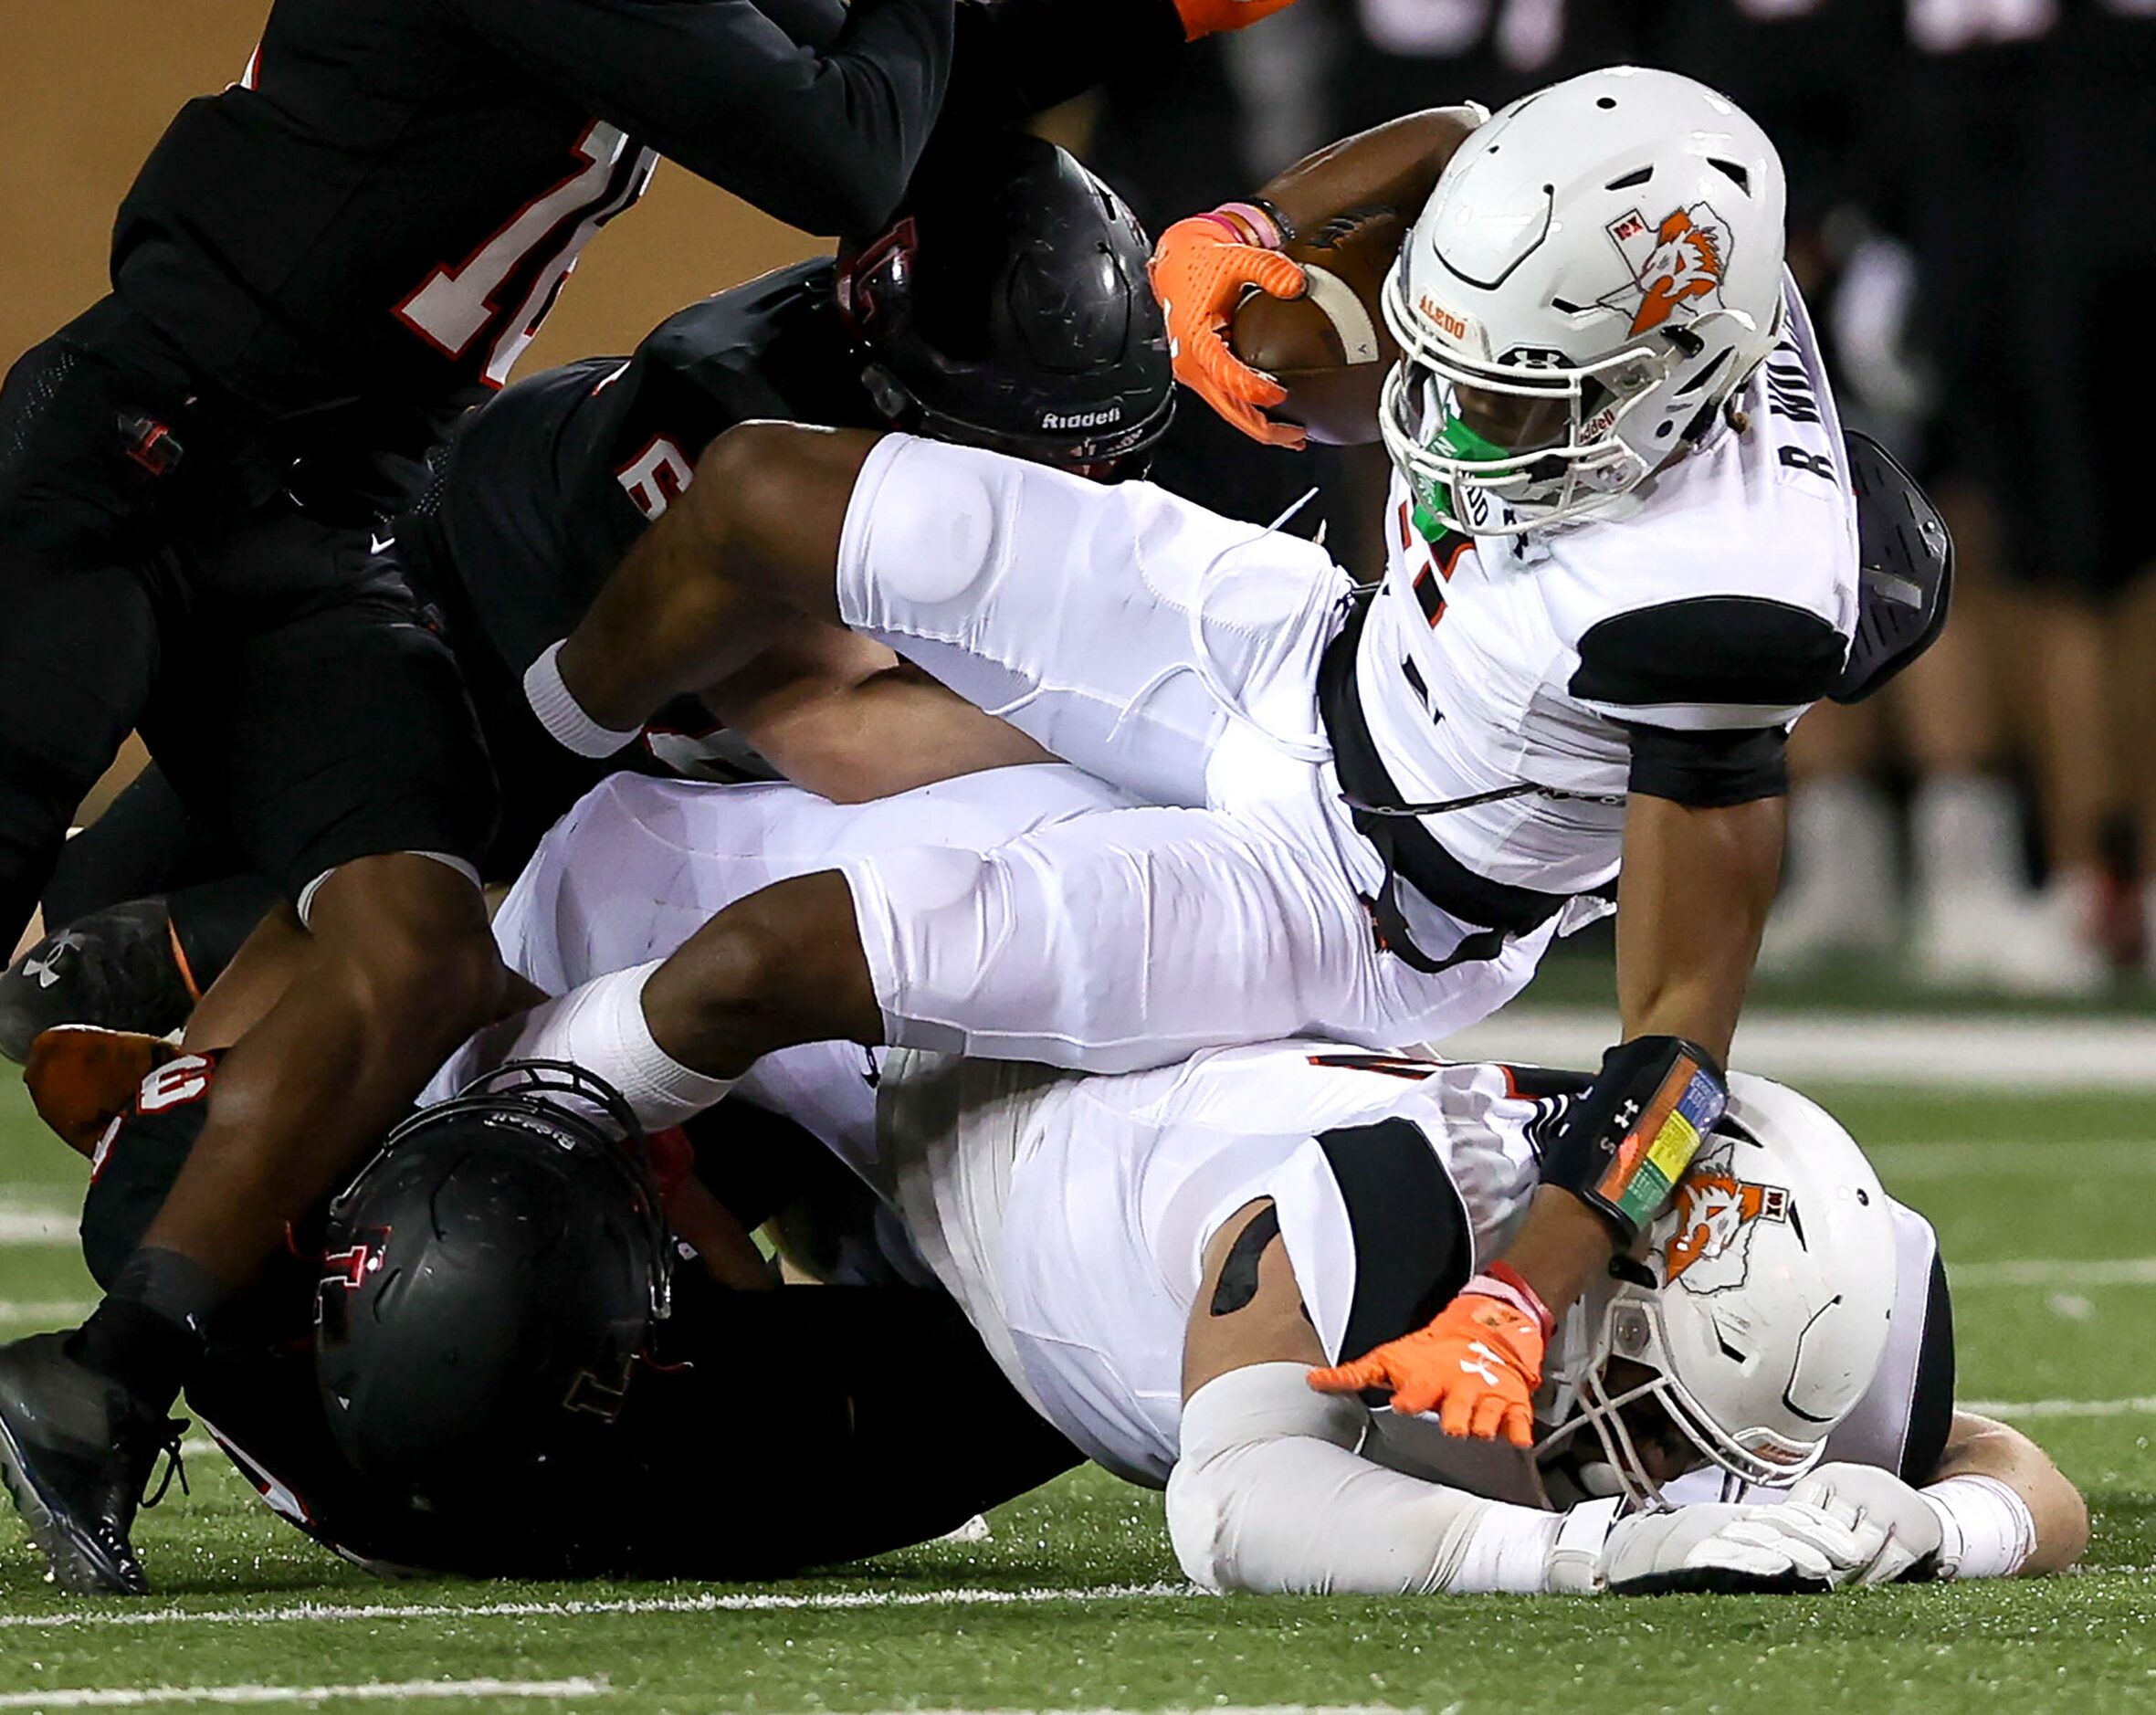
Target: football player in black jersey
944,322
1008,307
494,1396
313,269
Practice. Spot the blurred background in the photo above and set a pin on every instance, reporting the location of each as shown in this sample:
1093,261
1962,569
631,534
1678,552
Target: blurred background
1972,217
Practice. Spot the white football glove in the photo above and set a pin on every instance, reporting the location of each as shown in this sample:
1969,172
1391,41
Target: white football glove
1896,1523
1790,1549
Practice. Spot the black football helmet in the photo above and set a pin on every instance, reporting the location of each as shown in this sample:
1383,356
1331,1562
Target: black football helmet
1007,307
502,1258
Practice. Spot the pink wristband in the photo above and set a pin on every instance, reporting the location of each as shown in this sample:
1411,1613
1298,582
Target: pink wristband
1504,1282
1265,231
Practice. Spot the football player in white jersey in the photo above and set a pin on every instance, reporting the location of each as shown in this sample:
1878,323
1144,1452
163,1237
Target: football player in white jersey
1158,1260
1628,560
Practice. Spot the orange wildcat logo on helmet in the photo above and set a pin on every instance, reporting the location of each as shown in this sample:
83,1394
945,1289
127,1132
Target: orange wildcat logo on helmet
1680,262
1710,1239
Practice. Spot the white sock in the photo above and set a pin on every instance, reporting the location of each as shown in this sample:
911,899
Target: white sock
563,716
1841,839
601,1027
1965,836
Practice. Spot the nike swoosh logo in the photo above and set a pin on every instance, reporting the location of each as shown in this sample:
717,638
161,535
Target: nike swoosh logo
379,545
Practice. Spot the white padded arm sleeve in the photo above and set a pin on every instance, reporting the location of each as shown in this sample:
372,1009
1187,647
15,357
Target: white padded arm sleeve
1270,1495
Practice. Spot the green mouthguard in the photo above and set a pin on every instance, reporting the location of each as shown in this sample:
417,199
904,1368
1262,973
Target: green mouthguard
1457,441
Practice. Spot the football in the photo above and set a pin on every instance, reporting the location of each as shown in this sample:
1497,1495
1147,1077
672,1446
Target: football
1329,348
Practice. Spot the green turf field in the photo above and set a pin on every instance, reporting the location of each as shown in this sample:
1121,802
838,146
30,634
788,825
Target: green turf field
1075,1602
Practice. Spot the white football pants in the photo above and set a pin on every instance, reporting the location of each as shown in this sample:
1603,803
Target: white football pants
1171,652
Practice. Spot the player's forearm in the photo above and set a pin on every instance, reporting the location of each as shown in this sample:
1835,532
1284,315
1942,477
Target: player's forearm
738,562
1694,898
1393,165
1013,59
819,127
1269,1496
668,621
841,716
1977,1446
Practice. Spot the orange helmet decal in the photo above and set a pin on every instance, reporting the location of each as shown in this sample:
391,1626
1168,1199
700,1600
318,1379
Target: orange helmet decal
1679,259
1713,1214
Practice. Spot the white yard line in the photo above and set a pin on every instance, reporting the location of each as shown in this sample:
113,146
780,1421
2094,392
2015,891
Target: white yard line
2101,1271
44,1312
1958,1158
2144,1406
24,1221
404,1691
1917,1050
761,1603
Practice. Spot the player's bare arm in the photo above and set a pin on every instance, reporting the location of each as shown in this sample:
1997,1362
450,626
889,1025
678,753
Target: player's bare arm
1981,1447
1697,883
846,718
732,568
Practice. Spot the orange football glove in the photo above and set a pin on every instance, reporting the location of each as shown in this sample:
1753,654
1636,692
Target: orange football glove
1477,1366
1202,17
82,1078
1201,269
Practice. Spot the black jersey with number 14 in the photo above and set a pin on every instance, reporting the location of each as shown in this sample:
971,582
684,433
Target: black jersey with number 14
386,203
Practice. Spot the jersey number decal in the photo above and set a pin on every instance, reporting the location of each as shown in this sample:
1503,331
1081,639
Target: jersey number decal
656,476
175,1084
1818,464
453,308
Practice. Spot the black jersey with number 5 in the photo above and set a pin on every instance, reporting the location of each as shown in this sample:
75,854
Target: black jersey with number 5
545,487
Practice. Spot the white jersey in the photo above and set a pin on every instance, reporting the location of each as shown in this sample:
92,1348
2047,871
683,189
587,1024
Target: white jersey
1723,597
1069,1213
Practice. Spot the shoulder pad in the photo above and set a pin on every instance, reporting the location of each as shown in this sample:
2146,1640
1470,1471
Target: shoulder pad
1907,570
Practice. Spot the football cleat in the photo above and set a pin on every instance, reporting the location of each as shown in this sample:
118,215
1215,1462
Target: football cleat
116,967
76,1452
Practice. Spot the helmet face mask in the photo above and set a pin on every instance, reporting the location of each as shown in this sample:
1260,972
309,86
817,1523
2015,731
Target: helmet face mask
1750,1327
1606,253
1626,1341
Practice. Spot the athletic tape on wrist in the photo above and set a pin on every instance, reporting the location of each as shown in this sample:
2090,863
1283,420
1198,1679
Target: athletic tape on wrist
1575,1557
1986,1529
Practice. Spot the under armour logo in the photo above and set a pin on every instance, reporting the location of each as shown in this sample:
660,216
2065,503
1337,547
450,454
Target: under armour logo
47,969
1480,1364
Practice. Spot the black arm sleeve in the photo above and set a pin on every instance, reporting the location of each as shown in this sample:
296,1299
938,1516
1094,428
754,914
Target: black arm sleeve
1016,58
1704,686
1709,771
822,133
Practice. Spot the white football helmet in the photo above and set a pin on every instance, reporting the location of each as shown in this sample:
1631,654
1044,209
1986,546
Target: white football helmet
1598,269
1759,1311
